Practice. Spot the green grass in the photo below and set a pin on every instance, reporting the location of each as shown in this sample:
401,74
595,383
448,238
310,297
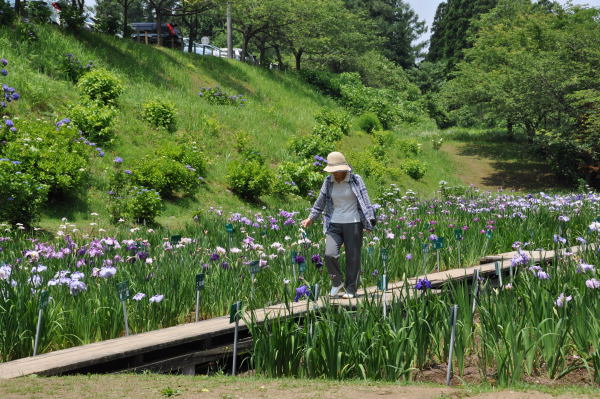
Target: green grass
155,386
280,105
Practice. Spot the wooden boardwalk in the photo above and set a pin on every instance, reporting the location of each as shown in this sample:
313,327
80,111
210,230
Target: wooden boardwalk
187,343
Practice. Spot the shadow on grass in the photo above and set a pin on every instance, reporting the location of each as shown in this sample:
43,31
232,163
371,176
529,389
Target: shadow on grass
516,164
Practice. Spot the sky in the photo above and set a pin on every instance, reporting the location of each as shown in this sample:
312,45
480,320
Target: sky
426,10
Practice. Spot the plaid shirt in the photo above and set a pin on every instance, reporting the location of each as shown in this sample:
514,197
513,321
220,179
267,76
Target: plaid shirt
325,203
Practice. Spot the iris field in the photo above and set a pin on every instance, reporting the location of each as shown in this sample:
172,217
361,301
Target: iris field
556,331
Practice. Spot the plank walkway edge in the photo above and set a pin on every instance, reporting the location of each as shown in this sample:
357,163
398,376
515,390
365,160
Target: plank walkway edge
78,357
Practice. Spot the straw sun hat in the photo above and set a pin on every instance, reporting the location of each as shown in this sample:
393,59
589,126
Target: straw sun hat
336,162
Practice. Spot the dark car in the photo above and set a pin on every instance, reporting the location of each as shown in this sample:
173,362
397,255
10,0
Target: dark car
145,32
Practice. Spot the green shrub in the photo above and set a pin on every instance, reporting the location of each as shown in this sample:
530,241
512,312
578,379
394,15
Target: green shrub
53,156
384,138
414,168
71,16
437,142
369,122
7,14
73,69
334,117
298,178
159,114
408,147
308,146
37,12
101,85
328,133
138,204
325,81
367,165
216,96
249,179
21,194
189,155
165,175
94,121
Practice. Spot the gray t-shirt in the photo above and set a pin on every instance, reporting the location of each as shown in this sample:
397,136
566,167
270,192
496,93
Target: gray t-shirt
345,204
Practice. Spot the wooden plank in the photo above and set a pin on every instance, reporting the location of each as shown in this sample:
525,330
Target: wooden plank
124,347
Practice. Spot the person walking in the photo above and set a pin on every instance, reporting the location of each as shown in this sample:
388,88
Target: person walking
344,200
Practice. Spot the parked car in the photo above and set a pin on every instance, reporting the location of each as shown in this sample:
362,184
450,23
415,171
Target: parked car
145,32
237,54
201,49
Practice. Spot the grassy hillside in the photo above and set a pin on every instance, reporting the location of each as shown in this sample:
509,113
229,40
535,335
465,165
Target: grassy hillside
279,105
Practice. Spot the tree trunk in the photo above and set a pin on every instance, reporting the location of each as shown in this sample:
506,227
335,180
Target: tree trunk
125,18
158,27
509,129
18,7
247,38
279,58
262,54
298,56
193,33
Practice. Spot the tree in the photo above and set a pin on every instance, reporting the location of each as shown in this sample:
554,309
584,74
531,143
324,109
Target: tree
452,27
536,70
399,26
253,17
108,17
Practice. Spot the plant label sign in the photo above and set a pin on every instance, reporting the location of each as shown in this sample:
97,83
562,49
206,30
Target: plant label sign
458,234
175,239
254,267
302,267
489,234
234,311
293,255
44,297
439,243
425,248
200,281
370,251
123,289
229,228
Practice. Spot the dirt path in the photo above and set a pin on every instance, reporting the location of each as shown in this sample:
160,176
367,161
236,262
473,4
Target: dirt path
506,165
151,386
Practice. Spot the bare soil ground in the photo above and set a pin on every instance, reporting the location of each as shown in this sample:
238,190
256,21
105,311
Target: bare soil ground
151,386
506,165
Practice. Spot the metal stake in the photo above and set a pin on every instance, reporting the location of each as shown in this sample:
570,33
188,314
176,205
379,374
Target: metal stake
197,304
475,289
37,332
235,340
125,316
452,337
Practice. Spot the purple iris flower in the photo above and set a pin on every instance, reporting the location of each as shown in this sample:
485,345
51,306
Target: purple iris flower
301,292
214,257
423,284
300,259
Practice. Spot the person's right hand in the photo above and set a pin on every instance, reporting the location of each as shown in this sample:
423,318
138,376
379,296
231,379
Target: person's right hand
306,222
